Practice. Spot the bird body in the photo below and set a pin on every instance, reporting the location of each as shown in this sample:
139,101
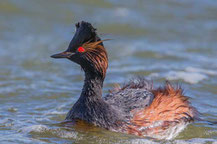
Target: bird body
136,108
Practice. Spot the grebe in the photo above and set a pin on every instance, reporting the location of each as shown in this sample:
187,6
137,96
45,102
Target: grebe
136,108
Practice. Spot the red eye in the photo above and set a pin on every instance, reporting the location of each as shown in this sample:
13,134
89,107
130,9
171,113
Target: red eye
81,49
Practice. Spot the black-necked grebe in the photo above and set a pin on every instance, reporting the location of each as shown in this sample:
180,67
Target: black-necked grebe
136,108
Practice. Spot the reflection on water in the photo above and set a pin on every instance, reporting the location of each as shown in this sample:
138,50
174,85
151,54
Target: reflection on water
175,40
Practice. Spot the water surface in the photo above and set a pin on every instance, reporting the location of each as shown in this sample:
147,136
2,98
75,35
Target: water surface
161,40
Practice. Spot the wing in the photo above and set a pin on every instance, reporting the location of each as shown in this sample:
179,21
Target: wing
133,96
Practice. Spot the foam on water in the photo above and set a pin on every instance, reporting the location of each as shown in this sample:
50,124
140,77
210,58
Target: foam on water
189,77
35,128
54,131
200,70
196,141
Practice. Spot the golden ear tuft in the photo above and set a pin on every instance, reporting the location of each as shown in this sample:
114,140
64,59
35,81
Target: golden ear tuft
94,44
97,55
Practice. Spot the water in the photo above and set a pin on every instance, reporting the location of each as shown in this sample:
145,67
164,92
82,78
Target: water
174,40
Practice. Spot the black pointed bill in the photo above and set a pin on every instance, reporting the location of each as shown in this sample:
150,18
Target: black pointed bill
63,55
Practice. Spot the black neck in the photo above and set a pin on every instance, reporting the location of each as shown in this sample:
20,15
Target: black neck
92,86
92,108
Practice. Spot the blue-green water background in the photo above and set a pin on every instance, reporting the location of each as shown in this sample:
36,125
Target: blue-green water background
170,39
